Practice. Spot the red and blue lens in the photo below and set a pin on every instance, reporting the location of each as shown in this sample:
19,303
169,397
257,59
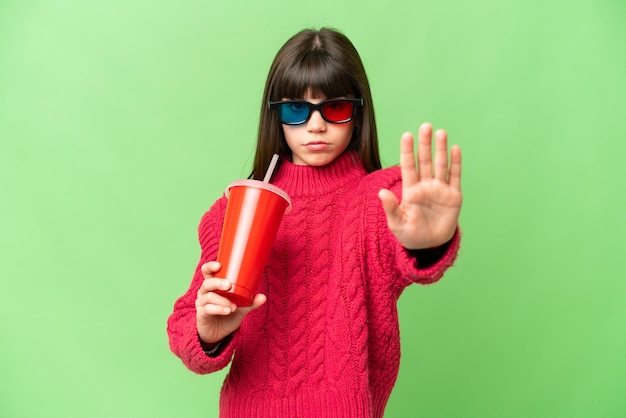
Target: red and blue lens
298,112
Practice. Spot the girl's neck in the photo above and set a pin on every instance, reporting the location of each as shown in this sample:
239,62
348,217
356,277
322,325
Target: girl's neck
305,180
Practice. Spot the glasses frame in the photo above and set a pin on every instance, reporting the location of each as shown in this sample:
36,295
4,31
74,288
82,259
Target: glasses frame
313,107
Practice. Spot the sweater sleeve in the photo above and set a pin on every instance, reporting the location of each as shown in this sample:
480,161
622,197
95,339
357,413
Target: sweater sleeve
181,325
407,266
435,261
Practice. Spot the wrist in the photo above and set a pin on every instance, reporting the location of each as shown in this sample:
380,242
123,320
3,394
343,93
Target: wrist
214,349
430,256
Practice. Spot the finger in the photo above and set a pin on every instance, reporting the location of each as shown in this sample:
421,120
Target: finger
210,268
424,152
258,301
215,304
390,206
212,284
441,155
455,167
407,160
217,310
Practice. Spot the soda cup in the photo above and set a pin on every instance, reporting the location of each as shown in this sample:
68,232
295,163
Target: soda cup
254,212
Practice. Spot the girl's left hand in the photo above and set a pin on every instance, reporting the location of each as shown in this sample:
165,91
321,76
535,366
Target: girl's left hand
429,212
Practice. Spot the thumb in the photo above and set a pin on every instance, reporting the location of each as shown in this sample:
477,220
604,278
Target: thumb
390,206
258,301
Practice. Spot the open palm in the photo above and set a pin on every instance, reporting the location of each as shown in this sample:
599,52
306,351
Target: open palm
431,202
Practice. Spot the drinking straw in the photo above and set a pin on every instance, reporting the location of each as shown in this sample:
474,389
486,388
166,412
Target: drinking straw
270,169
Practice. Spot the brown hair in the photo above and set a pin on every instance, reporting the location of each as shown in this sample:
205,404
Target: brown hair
325,63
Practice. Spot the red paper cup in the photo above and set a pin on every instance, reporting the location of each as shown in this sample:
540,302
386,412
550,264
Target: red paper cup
253,215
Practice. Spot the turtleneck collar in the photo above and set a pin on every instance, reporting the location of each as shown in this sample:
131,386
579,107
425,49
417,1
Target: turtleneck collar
305,180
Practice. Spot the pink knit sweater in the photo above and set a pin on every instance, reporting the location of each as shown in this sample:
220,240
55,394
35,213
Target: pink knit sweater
326,343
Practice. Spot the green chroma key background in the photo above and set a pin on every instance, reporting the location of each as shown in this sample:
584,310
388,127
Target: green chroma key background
121,122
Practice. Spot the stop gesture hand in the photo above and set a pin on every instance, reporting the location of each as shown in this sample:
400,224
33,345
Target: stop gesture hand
429,212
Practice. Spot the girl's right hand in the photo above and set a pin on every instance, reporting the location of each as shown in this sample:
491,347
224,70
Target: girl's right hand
216,316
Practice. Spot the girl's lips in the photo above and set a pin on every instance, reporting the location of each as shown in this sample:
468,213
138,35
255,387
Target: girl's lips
316,146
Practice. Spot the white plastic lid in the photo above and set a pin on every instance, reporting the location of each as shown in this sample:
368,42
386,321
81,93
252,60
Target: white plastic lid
261,185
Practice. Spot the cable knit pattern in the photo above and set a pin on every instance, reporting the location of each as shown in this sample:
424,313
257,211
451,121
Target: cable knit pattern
326,343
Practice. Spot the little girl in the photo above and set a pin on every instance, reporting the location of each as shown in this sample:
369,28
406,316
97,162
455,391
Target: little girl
321,338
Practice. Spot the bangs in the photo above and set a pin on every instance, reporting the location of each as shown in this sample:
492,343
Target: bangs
318,74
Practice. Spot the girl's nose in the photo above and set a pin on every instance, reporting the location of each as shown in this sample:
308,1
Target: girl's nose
316,123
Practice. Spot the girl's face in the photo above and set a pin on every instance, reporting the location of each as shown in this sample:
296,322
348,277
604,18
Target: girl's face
317,142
